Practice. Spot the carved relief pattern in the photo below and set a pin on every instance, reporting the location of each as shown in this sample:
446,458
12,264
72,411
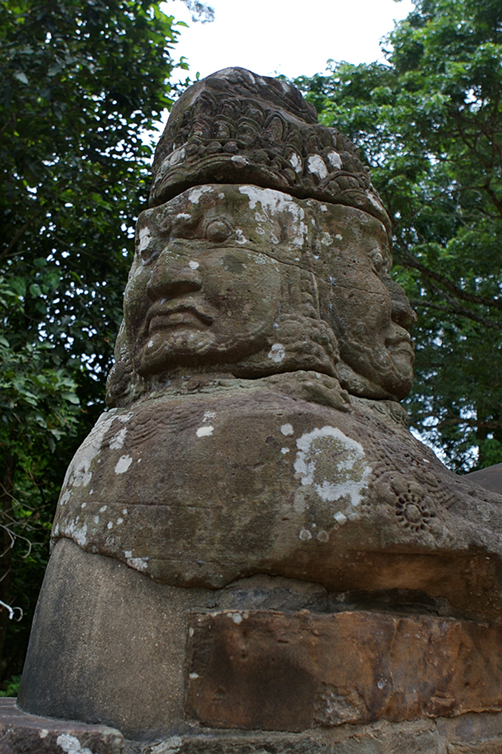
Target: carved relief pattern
227,137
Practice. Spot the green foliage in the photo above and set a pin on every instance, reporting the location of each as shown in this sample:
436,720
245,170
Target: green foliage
80,83
11,686
429,122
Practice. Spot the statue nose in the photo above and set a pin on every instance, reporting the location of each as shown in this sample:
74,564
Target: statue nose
402,313
172,277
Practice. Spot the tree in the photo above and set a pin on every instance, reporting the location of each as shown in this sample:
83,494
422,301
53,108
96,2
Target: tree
80,83
429,121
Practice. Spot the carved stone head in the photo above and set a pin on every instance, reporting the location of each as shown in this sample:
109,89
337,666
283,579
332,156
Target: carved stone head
239,274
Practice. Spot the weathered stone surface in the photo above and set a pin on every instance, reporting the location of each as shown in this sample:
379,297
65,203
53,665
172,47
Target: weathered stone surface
237,127
273,671
283,486
489,478
286,507
472,734
381,738
101,625
467,734
107,645
21,733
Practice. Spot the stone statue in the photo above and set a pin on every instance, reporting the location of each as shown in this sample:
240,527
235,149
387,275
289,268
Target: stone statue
250,539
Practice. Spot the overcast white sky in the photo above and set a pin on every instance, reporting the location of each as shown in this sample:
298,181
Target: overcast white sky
285,36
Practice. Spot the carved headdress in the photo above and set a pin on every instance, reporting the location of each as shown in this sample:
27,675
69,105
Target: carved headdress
237,127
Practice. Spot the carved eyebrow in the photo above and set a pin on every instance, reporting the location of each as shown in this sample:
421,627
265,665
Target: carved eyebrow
185,225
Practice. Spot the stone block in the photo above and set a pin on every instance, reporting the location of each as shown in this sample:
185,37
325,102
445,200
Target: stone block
273,671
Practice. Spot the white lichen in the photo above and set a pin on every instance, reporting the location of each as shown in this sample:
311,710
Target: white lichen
239,160
205,431
139,564
79,472
295,162
144,238
335,160
71,745
333,465
317,166
195,194
273,203
240,238
175,157
123,464
277,353
118,441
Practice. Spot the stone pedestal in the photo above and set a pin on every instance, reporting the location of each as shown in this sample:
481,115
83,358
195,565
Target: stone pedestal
267,663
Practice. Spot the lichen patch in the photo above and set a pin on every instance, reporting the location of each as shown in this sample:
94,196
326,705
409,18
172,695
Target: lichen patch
277,353
205,431
317,166
123,464
334,466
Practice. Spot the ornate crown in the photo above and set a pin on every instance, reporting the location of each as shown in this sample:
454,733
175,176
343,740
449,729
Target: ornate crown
238,127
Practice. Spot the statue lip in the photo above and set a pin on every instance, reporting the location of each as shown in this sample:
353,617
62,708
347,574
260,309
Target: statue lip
177,314
401,340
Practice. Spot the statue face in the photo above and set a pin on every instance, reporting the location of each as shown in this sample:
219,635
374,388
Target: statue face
373,337
194,295
369,313
216,266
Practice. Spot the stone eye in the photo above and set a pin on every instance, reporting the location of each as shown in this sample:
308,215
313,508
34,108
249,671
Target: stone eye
218,231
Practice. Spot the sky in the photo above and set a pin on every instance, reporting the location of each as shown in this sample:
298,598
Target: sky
285,36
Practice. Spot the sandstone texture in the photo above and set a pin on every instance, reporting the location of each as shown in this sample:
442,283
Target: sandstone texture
274,671
344,497
237,127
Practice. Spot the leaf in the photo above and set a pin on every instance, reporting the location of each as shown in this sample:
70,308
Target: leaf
20,76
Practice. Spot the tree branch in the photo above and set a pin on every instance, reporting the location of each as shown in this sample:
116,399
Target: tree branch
457,310
6,252
408,260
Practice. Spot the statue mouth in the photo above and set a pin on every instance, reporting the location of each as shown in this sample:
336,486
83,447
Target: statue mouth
165,316
400,343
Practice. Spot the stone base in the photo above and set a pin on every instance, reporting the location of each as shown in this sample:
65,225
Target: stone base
21,733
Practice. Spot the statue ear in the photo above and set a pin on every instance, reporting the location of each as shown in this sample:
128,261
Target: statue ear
297,343
358,385
122,381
